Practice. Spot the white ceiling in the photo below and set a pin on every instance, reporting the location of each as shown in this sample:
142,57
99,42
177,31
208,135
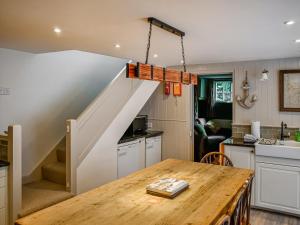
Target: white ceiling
216,30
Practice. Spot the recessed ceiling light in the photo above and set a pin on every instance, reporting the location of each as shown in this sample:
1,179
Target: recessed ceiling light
57,30
117,46
155,56
289,22
297,41
181,61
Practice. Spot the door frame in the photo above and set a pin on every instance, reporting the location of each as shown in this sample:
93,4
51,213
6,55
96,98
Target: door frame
190,110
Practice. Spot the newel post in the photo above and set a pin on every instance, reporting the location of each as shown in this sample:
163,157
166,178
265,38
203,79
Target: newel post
14,171
71,155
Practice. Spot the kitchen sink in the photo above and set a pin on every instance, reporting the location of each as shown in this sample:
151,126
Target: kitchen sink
290,149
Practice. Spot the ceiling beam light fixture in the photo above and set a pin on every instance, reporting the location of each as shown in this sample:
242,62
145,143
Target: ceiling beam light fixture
146,71
57,30
289,22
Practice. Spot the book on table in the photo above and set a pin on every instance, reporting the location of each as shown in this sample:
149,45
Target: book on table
168,187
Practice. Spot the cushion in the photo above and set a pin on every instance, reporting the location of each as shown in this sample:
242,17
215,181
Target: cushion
212,126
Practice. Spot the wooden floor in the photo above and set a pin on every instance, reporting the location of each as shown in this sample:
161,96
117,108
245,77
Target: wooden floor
259,217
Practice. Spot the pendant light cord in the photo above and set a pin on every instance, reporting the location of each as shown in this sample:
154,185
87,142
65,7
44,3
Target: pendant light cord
149,42
183,55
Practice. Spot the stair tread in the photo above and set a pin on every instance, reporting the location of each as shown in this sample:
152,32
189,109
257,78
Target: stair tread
42,194
61,155
55,172
56,166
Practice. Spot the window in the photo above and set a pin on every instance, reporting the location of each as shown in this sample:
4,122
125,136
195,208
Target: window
223,91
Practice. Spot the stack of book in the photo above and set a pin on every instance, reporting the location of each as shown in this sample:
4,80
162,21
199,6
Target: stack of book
168,187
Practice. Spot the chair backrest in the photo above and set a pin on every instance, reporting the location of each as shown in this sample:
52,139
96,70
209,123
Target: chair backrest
239,211
224,220
217,158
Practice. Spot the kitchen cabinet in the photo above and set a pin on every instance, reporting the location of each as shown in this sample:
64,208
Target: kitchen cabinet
3,196
131,157
153,150
242,157
278,185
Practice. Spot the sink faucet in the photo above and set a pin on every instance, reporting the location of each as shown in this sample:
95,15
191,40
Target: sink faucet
282,136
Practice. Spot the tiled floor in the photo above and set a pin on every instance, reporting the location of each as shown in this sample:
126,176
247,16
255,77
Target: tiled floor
259,217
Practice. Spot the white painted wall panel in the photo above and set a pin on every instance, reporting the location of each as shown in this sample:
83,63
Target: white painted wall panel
173,115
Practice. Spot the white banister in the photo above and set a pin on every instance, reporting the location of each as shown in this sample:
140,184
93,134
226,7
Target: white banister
71,155
14,171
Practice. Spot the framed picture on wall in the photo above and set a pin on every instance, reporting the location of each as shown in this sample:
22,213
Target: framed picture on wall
177,89
289,90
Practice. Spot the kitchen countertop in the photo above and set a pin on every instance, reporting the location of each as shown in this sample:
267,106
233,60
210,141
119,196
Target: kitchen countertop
148,134
3,163
238,142
125,201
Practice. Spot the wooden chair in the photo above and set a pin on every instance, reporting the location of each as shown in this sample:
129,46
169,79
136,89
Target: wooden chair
217,158
239,211
224,220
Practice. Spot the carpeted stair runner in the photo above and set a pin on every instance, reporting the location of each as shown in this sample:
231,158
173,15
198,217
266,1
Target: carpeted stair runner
51,189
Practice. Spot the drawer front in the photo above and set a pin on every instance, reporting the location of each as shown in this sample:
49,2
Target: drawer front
2,182
2,197
3,172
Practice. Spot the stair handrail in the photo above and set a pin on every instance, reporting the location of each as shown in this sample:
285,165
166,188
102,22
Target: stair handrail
97,102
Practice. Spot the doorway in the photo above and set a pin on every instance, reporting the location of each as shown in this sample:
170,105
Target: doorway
213,97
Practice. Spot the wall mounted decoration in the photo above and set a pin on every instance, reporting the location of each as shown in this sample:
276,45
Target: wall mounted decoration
264,75
289,90
167,88
146,71
246,101
177,89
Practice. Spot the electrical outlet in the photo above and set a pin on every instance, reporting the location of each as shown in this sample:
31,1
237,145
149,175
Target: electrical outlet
150,125
4,91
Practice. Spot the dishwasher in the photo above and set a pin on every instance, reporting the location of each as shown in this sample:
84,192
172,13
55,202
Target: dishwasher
131,157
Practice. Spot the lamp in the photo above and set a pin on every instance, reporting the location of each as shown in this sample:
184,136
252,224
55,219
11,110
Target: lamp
264,75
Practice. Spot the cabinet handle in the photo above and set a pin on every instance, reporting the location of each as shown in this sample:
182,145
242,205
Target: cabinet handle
252,151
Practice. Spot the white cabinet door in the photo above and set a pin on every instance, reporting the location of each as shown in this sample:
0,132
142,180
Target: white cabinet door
242,157
3,196
153,150
278,187
131,157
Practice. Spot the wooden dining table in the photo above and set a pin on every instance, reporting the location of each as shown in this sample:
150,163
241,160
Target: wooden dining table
125,201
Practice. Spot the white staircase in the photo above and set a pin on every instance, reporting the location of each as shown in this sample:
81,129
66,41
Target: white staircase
87,158
92,138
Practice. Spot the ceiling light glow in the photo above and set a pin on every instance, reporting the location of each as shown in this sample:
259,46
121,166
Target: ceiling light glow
155,56
117,46
57,30
289,22
297,41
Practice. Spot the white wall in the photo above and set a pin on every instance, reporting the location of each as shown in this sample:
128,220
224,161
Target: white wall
173,115
46,89
266,108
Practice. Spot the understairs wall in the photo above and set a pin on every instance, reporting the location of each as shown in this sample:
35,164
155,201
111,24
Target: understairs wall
47,89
